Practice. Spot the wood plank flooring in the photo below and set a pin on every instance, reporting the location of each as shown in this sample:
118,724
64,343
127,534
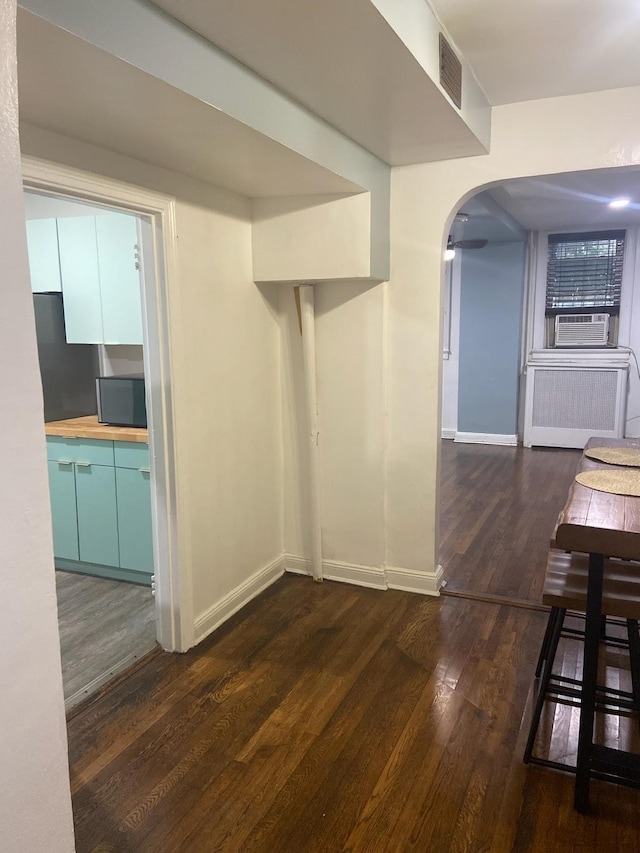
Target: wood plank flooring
498,506
104,627
329,718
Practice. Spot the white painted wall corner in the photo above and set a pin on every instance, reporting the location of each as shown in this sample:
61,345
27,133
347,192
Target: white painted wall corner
237,598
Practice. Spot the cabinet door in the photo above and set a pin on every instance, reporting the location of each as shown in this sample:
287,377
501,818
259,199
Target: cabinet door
80,279
97,514
117,237
134,519
62,488
44,260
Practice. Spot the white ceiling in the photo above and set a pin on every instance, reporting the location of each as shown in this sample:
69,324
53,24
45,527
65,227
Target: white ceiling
526,49
576,200
341,60
69,86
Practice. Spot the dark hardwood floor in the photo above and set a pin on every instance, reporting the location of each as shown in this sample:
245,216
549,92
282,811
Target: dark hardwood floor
498,506
336,718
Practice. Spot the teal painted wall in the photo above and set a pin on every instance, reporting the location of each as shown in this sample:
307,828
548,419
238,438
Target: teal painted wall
491,293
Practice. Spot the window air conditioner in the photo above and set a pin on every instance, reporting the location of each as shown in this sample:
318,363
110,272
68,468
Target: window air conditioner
582,330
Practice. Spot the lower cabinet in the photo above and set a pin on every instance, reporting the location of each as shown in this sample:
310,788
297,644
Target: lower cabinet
101,507
133,495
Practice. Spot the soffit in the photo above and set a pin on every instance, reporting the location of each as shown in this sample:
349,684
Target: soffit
71,87
521,50
342,61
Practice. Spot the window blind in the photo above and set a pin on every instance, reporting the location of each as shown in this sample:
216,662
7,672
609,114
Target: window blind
584,271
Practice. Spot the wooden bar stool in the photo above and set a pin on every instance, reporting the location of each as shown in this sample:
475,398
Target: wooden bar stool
565,590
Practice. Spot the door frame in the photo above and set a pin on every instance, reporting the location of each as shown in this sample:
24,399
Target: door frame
156,212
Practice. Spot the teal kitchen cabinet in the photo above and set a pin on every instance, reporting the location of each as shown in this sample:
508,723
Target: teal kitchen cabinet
44,260
133,491
97,514
80,279
120,295
91,497
101,513
100,279
62,488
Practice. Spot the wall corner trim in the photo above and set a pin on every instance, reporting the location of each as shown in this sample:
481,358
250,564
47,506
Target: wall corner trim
237,598
411,580
486,438
370,576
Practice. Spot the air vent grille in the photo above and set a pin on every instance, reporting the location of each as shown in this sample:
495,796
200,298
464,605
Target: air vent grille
450,72
575,399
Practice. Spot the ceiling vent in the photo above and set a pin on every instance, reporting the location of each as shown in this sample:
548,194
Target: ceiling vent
450,72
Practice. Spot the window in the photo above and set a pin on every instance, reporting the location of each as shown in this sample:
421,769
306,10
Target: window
584,272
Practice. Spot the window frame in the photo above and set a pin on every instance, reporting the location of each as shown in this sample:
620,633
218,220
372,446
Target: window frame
600,307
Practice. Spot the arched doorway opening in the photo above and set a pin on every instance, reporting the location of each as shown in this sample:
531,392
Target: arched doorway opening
519,395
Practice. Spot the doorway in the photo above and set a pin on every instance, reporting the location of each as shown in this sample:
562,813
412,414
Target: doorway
501,490
156,240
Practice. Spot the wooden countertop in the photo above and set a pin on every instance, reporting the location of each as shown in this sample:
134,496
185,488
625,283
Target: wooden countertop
88,427
599,522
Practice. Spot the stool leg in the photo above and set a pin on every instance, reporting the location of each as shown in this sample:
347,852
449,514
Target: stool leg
544,649
589,682
558,620
634,662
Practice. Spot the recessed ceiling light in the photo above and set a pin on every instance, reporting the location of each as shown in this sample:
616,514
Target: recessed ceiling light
619,202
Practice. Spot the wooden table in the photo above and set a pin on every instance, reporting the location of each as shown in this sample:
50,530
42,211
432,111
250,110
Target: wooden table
602,525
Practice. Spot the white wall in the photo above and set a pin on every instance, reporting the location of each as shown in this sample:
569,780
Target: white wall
350,369
590,131
225,374
35,803
292,236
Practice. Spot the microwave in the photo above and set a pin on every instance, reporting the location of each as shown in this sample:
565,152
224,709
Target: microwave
121,400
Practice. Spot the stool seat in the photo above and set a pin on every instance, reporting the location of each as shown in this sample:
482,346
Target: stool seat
565,585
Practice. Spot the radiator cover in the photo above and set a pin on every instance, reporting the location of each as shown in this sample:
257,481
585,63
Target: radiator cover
565,406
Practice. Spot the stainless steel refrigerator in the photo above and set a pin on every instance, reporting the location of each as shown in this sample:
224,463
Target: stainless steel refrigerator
68,371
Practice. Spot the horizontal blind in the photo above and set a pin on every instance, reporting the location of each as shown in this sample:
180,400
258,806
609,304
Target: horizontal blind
584,271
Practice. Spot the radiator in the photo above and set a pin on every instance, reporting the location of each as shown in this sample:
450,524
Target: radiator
565,406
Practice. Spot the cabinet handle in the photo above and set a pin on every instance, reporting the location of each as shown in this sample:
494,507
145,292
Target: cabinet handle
144,470
83,464
62,462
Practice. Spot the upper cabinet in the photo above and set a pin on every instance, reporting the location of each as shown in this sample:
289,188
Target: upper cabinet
100,279
44,262
116,237
80,280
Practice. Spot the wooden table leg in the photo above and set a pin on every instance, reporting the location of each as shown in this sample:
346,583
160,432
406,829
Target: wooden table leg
589,681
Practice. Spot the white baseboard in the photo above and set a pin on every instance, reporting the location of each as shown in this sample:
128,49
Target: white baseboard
371,576
447,433
237,598
410,580
486,438
390,577
374,577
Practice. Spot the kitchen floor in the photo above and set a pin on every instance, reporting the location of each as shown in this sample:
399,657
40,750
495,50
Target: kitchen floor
105,626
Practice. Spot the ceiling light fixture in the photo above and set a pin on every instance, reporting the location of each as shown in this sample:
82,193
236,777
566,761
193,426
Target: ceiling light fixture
617,203
449,253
